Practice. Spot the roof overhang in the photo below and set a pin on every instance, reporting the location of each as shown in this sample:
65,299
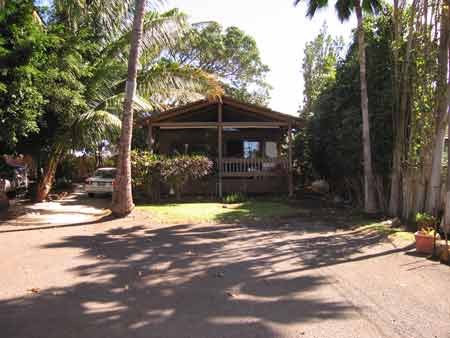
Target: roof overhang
279,119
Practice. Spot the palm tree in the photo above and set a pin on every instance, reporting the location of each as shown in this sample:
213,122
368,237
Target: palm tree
122,203
344,9
149,86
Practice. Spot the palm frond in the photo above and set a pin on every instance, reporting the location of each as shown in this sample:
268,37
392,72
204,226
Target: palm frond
160,30
312,6
344,9
372,6
94,127
166,79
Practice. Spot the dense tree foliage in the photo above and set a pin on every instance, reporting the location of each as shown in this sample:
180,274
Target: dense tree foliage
407,64
319,66
23,45
231,54
344,10
333,135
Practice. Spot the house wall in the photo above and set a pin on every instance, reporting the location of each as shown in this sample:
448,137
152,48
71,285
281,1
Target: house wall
166,139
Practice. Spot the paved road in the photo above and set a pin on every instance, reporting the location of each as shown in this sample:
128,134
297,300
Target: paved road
66,273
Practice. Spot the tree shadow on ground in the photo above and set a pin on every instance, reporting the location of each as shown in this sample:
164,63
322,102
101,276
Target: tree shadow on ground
187,280
182,281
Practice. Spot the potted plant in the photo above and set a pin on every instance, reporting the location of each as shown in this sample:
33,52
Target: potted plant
426,232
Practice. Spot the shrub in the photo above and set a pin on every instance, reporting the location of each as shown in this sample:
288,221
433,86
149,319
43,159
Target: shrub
146,173
234,198
149,170
177,171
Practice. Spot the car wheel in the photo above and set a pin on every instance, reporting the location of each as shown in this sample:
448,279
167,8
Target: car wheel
91,194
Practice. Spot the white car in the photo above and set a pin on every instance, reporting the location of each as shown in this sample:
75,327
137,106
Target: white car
102,182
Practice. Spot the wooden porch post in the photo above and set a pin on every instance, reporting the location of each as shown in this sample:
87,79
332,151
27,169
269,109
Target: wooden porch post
290,177
150,139
219,145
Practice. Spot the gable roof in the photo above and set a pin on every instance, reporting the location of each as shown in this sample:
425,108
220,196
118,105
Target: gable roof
226,100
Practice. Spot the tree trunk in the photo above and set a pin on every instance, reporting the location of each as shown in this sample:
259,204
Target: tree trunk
122,196
401,113
433,202
446,223
369,191
46,180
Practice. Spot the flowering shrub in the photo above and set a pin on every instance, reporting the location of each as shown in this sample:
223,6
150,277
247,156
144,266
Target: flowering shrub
149,170
177,171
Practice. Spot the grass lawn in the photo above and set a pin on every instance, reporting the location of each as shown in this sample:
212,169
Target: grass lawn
393,233
219,212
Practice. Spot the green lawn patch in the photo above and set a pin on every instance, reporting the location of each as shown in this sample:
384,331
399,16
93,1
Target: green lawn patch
219,212
386,230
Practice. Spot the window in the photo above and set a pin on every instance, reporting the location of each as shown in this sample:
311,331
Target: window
105,173
271,150
252,149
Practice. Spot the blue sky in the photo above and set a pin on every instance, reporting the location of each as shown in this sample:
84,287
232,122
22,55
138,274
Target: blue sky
280,30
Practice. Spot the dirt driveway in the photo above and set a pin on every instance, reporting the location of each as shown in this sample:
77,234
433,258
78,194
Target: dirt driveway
67,272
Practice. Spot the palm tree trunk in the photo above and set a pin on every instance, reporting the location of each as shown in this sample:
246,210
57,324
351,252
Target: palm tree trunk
122,196
369,192
46,182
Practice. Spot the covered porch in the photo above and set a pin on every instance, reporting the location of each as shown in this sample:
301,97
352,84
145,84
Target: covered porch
251,146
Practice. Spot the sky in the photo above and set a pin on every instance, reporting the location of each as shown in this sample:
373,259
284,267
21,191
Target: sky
281,32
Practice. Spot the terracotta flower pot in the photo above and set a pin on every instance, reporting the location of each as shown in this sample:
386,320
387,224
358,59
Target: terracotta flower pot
424,243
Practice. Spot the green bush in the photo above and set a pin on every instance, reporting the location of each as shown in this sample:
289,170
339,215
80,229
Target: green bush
177,171
234,198
150,170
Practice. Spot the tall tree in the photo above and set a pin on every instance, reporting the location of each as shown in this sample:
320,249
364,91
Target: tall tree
433,201
319,66
23,45
344,10
335,147
122,197
319,72
229,53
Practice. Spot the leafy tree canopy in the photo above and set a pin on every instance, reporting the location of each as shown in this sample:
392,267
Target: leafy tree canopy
230,54
23,53
319,66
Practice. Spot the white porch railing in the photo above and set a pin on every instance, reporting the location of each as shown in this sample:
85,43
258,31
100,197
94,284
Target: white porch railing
244,167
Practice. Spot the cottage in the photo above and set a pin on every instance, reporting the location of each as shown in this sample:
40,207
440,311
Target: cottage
245,141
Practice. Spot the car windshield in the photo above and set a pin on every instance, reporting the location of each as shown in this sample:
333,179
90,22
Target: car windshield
105,173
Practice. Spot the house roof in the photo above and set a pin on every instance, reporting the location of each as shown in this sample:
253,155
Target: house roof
243,106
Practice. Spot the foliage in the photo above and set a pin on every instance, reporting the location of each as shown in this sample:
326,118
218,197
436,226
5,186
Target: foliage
234,198
319,71
231,54
319,66
334,127
23,53
425,221
148,169
177,171
145,167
